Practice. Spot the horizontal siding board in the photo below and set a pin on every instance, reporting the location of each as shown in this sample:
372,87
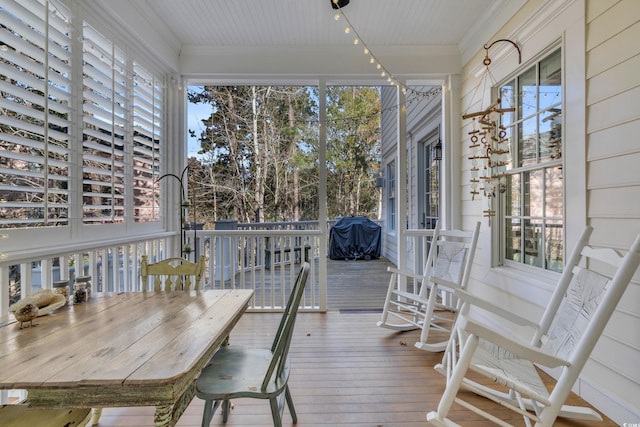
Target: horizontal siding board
618,328
595,8
615,232
614,81
620,355
614,141
614,111
623,202
620,389
629,307
616,19
614,171
614,51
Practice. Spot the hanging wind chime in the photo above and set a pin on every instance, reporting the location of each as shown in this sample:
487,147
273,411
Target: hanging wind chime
489,143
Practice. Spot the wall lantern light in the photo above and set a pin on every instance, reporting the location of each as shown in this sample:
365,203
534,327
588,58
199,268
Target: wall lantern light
436,151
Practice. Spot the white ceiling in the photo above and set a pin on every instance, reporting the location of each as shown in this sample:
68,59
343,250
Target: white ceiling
312,23
410,35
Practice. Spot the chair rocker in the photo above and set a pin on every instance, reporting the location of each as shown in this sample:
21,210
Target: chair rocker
572,322
236,372
426,301
172,274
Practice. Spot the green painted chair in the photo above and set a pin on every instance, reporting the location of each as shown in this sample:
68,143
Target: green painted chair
172,274
236,372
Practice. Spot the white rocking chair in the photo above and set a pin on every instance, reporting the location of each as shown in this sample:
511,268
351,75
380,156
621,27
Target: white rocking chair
417,304
574,319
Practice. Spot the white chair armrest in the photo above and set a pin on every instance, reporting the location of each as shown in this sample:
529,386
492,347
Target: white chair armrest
522,350
446,283
494,309
404,273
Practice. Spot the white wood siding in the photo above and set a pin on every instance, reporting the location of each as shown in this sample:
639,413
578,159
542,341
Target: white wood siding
424,116
613,184
602,178
389,141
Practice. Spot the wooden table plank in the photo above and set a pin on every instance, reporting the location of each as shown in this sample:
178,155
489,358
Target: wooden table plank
194,340
146,335
60,351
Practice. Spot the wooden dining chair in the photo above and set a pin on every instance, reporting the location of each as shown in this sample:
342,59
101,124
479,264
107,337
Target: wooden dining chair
236,372
425,301
172,273
575,317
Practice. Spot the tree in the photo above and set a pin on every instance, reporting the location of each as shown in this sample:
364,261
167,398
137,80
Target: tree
353,149
250,145
259,152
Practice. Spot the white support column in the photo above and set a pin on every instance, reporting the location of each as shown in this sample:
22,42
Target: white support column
175,158
322,194
450,191
401,180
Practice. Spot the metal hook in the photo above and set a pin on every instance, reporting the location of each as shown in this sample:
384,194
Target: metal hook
487,60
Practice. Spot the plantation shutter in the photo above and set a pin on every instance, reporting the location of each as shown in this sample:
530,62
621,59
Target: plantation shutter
147,120
104,119
35,108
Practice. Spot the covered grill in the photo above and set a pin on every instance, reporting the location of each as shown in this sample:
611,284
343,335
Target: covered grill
355,237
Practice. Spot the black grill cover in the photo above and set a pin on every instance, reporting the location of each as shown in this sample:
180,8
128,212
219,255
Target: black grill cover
355,237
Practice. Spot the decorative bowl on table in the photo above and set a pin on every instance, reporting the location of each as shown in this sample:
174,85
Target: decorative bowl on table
44,300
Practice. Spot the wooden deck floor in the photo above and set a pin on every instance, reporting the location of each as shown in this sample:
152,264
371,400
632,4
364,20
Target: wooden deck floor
346,371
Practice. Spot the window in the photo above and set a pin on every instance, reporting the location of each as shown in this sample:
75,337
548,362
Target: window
429,182
35,109
533,211
116,135
147,133
104,110
391,196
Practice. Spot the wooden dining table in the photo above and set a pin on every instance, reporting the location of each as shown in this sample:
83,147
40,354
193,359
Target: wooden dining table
120,349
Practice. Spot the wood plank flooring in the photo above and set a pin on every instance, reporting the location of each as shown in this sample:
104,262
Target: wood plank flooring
346,371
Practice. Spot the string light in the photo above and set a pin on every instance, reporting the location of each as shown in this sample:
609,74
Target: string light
384,72
357,40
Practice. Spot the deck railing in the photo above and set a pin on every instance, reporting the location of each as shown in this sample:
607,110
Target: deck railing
113,266
266,261
263,257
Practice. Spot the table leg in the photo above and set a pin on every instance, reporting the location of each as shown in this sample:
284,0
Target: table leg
96,413
168,415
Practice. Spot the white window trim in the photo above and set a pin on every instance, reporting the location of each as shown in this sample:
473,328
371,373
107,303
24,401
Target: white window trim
549,25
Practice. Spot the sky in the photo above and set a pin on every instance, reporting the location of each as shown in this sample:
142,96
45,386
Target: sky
195,113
